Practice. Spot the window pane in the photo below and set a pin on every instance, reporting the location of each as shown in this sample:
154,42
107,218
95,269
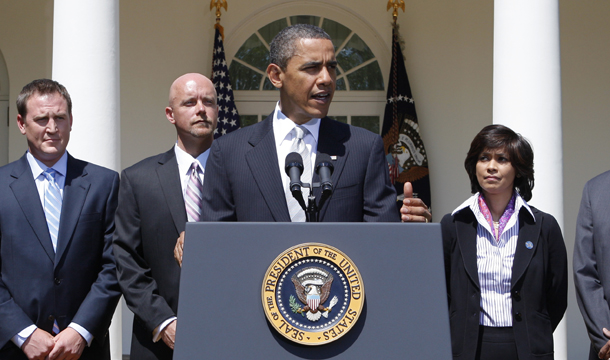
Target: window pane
248,120
305,19
342,119
336,31
254,53
366,78
370,123
269,31
354,53
244,78
341,84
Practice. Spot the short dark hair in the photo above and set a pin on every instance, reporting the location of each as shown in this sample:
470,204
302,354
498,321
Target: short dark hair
283,46
519,151
41,87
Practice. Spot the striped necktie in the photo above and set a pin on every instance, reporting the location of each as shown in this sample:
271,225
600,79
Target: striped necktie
52,205
52,212
193,192
297,214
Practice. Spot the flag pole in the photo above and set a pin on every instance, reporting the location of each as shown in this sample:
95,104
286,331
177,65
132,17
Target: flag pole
219,4
395,4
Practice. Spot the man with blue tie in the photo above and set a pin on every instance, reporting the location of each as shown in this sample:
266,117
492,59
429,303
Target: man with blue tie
58,285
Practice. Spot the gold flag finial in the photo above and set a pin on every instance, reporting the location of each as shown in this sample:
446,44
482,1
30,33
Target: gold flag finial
396,4
218,4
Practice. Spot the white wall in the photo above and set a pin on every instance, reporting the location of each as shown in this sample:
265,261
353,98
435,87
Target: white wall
585,56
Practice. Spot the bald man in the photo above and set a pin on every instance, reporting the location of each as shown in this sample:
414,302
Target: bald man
157,197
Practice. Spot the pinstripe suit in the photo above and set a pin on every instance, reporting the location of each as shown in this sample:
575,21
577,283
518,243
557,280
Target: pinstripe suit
243,182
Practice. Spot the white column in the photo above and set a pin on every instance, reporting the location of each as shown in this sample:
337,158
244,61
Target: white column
86,62
527,98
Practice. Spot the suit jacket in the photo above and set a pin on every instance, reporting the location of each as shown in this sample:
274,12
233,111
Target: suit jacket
243,181
77,283
592,259
538,283
150,217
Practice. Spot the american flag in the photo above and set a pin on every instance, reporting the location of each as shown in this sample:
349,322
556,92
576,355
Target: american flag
228,117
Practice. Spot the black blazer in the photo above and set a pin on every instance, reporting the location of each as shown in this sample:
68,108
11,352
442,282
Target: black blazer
77,283
539,283
243,181
149,219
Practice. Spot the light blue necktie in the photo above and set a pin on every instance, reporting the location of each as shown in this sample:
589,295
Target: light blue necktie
52,211
52,205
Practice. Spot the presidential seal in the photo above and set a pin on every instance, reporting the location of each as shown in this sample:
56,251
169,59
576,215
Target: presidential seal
312,294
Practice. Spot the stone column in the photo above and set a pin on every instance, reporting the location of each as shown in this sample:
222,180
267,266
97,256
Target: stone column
86,62
527,98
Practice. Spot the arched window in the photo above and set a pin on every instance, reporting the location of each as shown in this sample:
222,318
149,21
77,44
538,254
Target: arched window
360,96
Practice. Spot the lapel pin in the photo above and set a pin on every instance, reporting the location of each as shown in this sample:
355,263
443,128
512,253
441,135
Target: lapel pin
529,245
333,157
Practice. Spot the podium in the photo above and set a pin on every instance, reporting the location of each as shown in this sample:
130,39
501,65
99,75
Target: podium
220,313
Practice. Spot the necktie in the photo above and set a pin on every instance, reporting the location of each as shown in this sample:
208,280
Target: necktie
298,145
52,205
193,193
52,211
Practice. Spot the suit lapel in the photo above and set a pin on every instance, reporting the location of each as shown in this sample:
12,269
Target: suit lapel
264,169
169,178
75,192
331,141
24,189
466,229
528,231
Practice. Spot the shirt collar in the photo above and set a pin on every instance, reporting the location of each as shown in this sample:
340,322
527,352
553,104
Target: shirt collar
185,160
37,167
282,126
472,202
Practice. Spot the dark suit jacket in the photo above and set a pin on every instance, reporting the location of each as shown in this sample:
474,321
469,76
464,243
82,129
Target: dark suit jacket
75,284
149,219
243,181
592,259
539,283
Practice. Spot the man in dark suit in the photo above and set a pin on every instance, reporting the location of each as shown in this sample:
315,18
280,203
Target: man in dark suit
58,286
247,181
592,263
156,198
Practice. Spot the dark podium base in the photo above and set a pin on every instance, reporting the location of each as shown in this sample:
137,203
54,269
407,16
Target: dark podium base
220,311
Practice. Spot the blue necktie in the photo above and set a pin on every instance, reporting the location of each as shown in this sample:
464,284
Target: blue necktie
52,205
52,211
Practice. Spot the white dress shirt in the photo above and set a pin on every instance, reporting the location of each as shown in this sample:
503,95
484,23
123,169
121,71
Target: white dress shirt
38,168
282,132
495,263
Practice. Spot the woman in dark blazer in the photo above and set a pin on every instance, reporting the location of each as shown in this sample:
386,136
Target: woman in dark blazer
505,261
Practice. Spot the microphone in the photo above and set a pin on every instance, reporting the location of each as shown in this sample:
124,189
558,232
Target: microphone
294,169
324,169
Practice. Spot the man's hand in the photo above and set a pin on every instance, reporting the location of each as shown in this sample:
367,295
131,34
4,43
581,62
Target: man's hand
179,250
169,333
38,345
413,209
604,353
69,345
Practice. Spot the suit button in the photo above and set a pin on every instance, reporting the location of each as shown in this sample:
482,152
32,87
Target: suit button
51,318
518,316
516,295
57,281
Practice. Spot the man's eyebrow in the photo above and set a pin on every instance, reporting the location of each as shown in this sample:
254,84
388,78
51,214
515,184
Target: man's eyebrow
318,63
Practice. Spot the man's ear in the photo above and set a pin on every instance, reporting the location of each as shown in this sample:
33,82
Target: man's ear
21,124
169,114
275,75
